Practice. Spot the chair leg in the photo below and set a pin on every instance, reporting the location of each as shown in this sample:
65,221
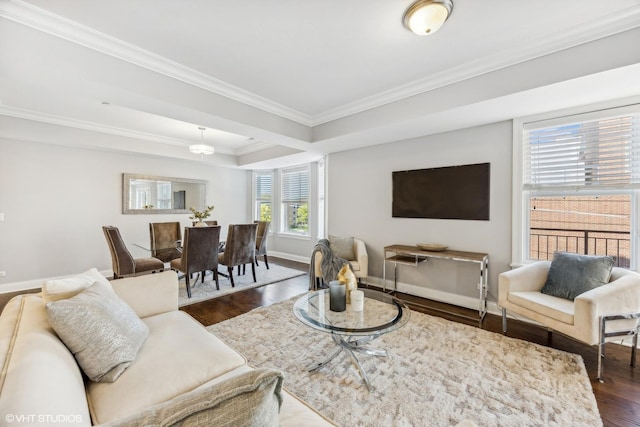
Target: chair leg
601,349
634,347
215,276
266,261
504,321
186,281
256,261
244,269
253,270
230,269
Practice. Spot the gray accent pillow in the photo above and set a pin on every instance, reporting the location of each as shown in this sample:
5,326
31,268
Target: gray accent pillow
342,247
573,274
101,330
252,398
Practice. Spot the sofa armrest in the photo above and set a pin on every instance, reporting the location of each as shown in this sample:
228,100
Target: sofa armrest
530,277
149,294
360,251
621,296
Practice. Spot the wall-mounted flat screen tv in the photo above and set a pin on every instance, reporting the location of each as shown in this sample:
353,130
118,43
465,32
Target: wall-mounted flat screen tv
452,192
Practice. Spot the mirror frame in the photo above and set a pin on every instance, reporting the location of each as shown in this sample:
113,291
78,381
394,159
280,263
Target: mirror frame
126,179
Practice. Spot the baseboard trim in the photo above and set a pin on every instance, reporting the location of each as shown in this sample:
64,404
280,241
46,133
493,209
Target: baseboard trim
290,257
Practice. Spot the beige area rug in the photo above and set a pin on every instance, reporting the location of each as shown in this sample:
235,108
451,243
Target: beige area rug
207,290
438,373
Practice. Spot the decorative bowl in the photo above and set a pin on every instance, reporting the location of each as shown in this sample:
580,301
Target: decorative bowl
433,247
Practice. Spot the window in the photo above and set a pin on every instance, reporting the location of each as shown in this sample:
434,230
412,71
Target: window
164,195
579,185
294,197
321,179
263,191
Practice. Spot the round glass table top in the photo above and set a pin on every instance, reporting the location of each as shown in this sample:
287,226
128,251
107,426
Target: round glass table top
382,313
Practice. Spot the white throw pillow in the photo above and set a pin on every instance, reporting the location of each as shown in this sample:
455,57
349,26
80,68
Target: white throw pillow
57,289
101,330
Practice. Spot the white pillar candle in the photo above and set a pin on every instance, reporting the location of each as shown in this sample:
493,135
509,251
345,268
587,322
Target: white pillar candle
357,300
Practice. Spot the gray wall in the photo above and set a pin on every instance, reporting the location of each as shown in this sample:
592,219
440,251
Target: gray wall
56,199
359,204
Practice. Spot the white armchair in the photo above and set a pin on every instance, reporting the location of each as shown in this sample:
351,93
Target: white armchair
584,318
360,264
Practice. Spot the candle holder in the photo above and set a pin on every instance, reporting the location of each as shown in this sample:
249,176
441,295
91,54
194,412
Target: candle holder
337,296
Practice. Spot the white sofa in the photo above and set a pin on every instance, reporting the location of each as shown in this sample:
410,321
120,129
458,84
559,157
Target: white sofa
176,377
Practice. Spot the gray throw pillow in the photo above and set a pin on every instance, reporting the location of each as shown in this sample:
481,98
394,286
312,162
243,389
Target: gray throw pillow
101,330
573,274
342,247
251,398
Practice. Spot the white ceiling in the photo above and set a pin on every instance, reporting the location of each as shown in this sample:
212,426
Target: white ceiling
284,81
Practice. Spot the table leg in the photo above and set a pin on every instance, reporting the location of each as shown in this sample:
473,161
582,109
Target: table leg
350,347
317,365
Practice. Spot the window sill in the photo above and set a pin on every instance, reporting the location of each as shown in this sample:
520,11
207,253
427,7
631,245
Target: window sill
294,236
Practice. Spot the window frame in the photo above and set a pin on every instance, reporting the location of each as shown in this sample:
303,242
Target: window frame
254,190
521,197
282,212
321,197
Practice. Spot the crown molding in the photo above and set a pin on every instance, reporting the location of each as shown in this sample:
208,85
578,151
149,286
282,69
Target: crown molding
37,116
257,146
47,22
42,20
571,37
53,119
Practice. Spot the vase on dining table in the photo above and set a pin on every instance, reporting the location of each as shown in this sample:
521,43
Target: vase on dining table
200,223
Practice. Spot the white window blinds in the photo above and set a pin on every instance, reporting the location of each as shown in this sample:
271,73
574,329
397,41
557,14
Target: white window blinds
264,185
602,153
295,185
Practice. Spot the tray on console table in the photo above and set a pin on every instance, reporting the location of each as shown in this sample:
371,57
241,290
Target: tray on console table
413,255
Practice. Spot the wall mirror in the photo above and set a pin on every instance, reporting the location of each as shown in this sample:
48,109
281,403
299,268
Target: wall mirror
145,194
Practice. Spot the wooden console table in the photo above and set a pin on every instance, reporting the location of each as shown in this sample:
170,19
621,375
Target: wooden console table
412,255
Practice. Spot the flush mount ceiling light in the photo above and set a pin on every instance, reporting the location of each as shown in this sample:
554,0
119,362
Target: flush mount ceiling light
425,17
201,148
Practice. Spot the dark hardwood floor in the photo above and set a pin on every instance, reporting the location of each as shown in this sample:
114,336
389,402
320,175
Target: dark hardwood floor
618,396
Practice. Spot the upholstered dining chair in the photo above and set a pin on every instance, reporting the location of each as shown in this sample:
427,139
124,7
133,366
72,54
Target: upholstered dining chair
123,263
261,240
165,240
199,254
240,248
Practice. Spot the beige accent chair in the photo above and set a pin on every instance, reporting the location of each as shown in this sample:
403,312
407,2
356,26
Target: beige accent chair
594,317
360,264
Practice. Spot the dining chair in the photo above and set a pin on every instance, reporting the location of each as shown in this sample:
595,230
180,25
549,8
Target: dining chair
123,263
261,240
240,248
199,254
165,240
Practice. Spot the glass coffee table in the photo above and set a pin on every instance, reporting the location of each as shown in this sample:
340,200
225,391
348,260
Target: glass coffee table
352,330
